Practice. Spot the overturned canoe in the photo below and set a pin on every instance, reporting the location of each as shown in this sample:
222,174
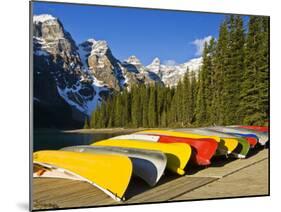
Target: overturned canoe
224,147
178,154
147,164
251,138
240,151
110,173
262,137
256,128
204,148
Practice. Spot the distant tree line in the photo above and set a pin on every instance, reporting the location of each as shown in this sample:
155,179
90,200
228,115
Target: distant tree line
231,87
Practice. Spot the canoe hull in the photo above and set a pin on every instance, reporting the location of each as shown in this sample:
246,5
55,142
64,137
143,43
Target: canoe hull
148,165
112,173
204,148
177,154
241,149
262,137
224,147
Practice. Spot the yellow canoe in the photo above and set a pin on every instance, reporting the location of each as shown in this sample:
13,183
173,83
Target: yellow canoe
226,145
178,154
110,173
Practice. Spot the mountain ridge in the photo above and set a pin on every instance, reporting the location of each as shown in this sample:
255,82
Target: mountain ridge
84,74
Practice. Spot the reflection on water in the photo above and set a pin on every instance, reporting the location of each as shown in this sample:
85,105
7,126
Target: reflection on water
57,140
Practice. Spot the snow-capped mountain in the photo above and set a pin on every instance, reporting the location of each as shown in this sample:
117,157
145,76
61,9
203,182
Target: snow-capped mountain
73,79
54,46
172,74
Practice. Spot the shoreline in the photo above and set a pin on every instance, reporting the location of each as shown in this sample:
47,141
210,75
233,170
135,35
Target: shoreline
104,130
100,130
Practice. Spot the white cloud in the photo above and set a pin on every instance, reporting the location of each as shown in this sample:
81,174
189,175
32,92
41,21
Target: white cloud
169,62
199,44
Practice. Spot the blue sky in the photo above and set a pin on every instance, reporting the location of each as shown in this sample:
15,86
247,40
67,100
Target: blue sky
171,36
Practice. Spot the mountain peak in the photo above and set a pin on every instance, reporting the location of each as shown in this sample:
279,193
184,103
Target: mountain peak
133,60
156,60
91,40
154,66
99,48
43,18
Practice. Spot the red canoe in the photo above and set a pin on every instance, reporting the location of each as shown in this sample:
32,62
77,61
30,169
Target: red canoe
202,149
257,128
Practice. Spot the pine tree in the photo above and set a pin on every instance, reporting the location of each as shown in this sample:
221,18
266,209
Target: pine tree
170,113
86,124
193,94
178,105
263,75
219,67
125,109
152,108
254,93
144,100
234,70
118,111
187,99
200,110
201,105
135,112
208,70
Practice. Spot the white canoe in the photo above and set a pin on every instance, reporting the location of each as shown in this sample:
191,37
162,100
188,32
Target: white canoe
207,131
263,137
147,164
151,138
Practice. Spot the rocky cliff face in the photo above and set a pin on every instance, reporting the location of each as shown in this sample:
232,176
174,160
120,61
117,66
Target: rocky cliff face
60,80
71,80
101,64
135,73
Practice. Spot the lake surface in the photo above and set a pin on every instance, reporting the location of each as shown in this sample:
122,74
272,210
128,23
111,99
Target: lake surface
56,139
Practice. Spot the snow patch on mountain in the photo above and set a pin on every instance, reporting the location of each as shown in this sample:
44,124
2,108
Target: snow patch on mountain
172,74
155,66
86,106
43,18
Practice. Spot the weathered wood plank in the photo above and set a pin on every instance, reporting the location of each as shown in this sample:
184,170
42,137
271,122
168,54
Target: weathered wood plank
170,190
75,193
67,193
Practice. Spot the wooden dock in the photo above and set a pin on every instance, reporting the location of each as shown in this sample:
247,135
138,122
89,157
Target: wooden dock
219,180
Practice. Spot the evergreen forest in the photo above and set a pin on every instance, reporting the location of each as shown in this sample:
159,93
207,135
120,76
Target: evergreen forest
232,86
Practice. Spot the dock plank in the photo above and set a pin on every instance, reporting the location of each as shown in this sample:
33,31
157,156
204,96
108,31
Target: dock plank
170,190
62,193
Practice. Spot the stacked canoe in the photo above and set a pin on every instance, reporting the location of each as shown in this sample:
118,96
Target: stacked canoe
110,164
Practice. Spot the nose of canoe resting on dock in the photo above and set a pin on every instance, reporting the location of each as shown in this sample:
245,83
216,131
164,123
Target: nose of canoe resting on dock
202,149
225,146
178,154
110,173
147,164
